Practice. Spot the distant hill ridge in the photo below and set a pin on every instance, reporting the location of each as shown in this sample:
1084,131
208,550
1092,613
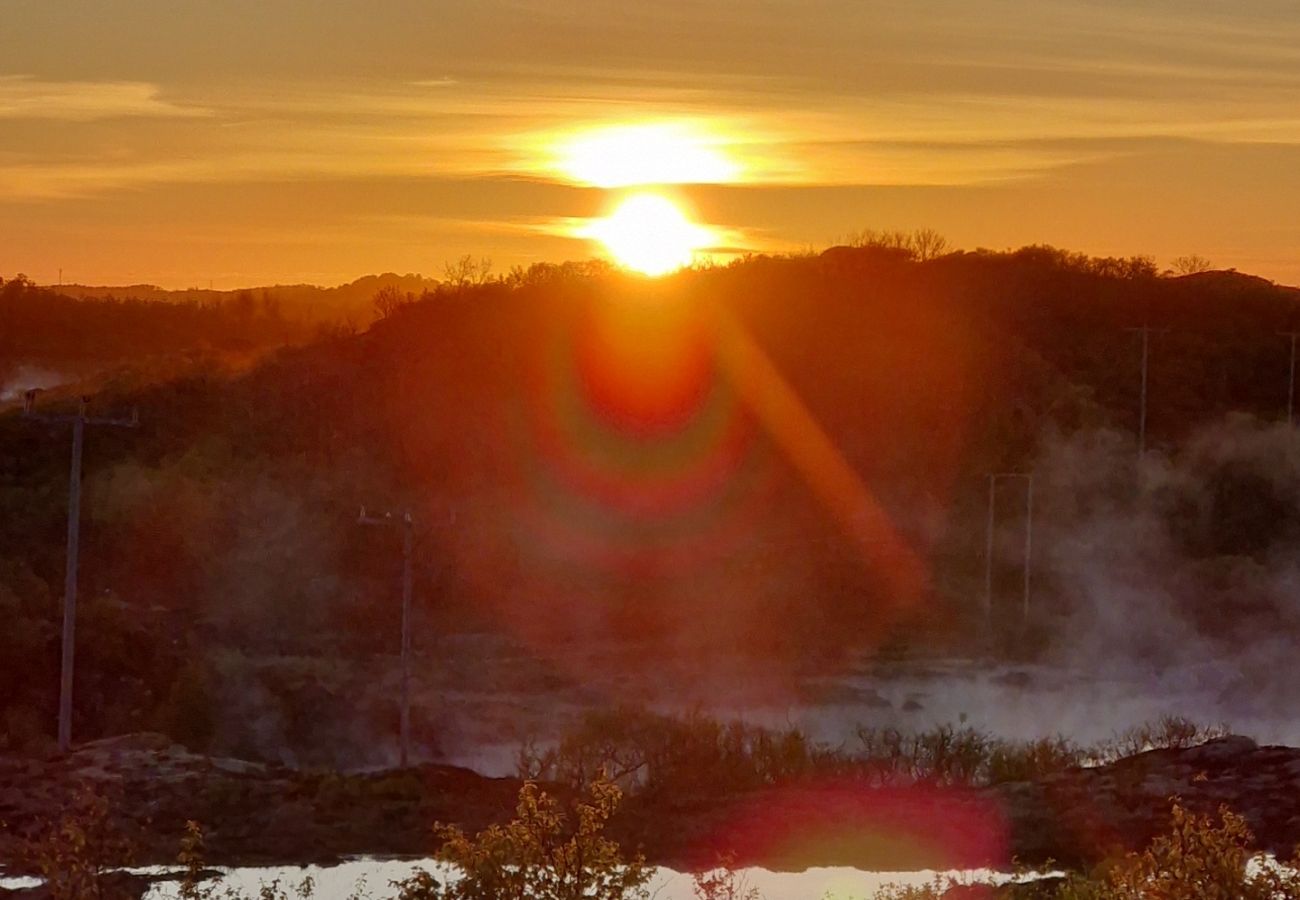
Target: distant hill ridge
314,302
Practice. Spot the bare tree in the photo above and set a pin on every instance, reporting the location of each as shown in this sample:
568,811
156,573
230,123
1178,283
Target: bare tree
921,244
927,243
467,271
389,299
1191,264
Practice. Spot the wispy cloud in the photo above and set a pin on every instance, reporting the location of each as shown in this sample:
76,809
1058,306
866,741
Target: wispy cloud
1021,117
489,129
26,97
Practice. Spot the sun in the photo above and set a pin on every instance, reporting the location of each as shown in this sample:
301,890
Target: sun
629,155
649,234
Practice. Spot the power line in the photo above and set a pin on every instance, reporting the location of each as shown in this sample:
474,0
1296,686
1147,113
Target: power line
79,421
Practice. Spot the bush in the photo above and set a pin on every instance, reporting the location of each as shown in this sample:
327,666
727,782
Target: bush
77,854
192,860
1168,732
543,854
1200,858
723,882
1025,760
655,755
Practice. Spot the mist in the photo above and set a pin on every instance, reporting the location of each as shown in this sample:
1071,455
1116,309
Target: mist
27,377
1179,575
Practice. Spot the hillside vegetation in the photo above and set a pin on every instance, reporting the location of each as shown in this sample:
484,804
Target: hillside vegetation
584,459
143,333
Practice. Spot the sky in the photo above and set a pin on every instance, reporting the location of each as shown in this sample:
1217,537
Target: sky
248,142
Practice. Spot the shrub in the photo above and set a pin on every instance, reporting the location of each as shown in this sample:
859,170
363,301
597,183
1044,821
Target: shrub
76,854
946,755
651,754
1168,732
723,882
1200,858
1024,760
192,857
543,854
657,756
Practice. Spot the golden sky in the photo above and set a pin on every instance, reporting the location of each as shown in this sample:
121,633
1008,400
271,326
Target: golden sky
258,141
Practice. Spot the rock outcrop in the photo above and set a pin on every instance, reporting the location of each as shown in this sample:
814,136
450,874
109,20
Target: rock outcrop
256,813
1084,814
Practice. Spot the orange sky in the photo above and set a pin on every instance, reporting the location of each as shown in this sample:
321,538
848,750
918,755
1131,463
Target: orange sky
250,142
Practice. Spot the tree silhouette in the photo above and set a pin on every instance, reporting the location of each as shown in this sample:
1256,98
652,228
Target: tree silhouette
1191,264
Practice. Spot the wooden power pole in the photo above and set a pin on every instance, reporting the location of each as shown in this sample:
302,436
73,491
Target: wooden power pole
1146,331
1290,383
78,421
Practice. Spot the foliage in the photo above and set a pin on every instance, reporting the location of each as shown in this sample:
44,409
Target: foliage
658,756
653,754
194,883
1200,857
938,889
191,859
52,329
543,854
945,755
546,853
723,882
226,519
77,853
1168,732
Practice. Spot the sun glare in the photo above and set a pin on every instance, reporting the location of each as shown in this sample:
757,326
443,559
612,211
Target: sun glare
655,153
649,234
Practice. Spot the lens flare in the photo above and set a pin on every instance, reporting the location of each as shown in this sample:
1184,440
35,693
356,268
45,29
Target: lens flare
649,234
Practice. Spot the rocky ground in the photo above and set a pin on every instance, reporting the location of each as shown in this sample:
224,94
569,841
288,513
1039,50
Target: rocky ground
254,813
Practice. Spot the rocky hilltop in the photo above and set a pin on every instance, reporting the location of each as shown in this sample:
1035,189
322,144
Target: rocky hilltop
256,813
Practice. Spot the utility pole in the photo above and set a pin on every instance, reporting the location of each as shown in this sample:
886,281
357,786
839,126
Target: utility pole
408,543
988,540
1290,384
79,421
1145,331
1029,541
988,549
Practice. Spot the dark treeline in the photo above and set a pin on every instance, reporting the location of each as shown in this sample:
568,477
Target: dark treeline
581,462
76,331
42,326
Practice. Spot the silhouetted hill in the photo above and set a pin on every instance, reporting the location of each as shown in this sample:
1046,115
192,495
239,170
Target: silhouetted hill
587,453
57,336
305,302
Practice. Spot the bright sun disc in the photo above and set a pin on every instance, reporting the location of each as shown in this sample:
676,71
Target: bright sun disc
649,234
651,153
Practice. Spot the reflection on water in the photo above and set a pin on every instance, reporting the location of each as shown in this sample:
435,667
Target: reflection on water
373,877
17,883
